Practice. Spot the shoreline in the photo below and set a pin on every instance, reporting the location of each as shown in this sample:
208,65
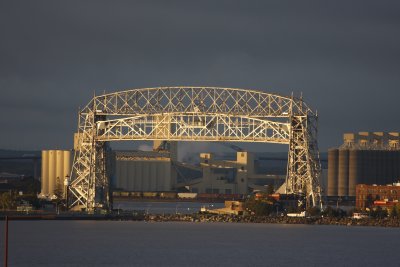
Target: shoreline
207,218
210,218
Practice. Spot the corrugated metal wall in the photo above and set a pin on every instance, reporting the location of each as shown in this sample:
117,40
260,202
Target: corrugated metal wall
143,175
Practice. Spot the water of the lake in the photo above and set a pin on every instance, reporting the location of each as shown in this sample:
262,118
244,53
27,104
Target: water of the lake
165,207
128,243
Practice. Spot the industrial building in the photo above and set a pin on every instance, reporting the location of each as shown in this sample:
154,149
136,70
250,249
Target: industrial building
364,158
144,171
231,176
377,195
56,167
160,171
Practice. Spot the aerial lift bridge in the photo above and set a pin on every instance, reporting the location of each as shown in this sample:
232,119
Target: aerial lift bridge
192,114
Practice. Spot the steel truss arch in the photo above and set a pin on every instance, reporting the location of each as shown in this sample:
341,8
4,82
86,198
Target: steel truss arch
192,114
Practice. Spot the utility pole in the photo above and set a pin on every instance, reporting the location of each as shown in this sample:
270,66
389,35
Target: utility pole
6,243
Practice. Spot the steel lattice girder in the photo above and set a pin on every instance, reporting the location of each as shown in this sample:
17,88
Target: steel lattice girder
193,127
196,114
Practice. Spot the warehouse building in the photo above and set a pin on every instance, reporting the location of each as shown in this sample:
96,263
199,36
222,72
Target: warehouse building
364,158
146,170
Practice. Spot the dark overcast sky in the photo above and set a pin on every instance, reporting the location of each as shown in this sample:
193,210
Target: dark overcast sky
343,55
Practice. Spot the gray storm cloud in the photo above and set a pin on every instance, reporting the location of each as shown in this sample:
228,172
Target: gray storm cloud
343,56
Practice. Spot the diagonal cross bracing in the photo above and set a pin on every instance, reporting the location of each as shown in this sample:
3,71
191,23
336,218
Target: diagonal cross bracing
192,114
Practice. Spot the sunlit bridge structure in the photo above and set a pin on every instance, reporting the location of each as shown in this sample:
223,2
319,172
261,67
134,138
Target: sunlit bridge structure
192,114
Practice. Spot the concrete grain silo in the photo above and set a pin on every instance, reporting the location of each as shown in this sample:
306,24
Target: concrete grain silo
380,170
396,171
52,171
66,170
56,165
333,163
343,175
59,179
45,173
67,163
354,171
385,165
364,158
370,179
391,162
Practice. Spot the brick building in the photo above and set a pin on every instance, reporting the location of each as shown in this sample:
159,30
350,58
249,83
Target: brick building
377,195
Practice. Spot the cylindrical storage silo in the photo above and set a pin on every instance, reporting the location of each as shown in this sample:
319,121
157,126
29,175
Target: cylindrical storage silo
354,171
45,173
343,176
375,163
381,178
392,167
362,167
386,166
396,165
67,163
378,177
370,167
67,169
52,171
333,157
59,172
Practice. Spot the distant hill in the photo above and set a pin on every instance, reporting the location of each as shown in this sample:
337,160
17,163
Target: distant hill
19,167
18,153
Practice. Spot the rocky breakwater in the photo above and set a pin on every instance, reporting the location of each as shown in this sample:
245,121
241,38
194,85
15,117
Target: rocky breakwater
213,218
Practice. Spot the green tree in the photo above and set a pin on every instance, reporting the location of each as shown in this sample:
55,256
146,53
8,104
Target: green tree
259,207
270,189
379,213
6,201
313,211
369,201
394,213
333,212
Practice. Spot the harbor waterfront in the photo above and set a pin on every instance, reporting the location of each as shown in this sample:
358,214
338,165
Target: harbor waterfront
154,211
128,243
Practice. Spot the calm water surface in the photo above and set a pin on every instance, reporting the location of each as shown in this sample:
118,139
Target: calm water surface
165,207
125,243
